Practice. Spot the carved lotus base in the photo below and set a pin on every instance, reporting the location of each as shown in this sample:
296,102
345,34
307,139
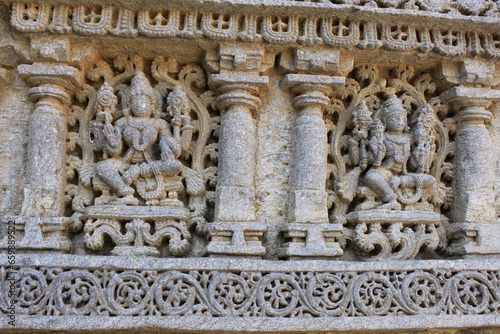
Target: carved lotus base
34,234
236,239
311,240
131,229
395,235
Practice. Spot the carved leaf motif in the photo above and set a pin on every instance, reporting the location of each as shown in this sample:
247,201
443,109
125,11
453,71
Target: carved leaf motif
101,70
192,75
195,182
351,88
86,173
367,73
438,193
211,150
405,73
128,63
74,115
71,140
210,174
72,165
425,84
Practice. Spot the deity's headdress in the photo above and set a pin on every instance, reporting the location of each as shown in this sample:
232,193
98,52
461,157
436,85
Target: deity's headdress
392,107
140,86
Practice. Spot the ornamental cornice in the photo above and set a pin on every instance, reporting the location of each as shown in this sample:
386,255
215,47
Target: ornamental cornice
453,32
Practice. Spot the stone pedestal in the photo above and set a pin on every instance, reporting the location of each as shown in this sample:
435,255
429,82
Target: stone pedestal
52,86
475,229
308,212
235,194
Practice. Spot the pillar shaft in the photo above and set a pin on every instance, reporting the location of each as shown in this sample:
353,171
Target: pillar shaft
474,201
235,231
475,227
42,224
235,195
308,198
46,152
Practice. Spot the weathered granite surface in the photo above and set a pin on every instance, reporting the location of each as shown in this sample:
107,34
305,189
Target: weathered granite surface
257,166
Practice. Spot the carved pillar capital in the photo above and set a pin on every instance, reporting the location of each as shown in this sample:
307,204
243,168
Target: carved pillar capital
474,217
467,72
311,90
237,90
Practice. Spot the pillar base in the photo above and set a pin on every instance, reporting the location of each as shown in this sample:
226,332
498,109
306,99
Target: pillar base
235,203
236,239
311,240
474,239
309,206
35,234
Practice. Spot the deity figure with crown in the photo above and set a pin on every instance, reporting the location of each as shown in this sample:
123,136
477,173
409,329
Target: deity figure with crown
392,158
393,151
131,142
137,175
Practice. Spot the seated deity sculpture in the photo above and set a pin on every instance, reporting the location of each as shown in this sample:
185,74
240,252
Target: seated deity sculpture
140,148
399,159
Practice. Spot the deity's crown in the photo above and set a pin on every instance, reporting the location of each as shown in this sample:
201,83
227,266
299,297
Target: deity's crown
392,107
140,86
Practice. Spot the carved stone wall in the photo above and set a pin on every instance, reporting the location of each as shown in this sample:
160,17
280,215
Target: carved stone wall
269,166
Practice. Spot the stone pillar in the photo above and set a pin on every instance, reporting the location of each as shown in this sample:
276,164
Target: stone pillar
235,231
41,221
475,229
309,232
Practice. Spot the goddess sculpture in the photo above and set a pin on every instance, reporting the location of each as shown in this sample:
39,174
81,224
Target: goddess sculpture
129,144
392,151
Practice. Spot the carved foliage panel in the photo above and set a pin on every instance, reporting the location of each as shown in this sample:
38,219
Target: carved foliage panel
54,291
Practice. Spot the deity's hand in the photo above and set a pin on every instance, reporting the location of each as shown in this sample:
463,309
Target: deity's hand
112,134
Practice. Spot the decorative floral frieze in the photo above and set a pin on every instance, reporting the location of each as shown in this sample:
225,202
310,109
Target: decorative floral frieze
309,30
52,291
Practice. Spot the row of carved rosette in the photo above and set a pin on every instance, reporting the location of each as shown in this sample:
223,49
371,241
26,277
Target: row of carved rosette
307,30
239,82
49,289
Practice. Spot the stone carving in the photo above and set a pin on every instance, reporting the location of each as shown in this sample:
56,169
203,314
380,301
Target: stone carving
135,140
306,29
176,150
58,291
389,157
235,230
138,130
453,7
391,153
